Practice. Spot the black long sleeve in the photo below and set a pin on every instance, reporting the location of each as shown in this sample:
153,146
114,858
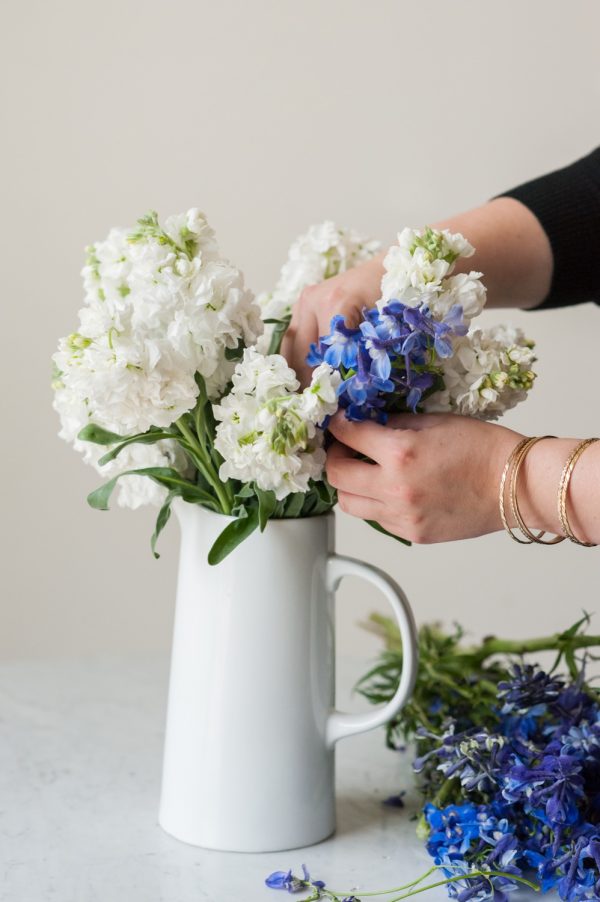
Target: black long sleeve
567,204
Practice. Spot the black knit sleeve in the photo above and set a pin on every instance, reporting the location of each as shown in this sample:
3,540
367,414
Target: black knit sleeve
567,204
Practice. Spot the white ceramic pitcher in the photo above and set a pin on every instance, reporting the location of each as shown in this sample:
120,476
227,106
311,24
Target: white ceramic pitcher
251,722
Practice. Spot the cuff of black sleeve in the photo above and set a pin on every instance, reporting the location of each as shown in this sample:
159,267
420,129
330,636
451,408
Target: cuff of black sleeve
567,204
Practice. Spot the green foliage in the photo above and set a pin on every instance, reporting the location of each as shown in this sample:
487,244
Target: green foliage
450,681
456,680
267,504
280,327
378,528
164,515
235,353
234,533
98,435
165,476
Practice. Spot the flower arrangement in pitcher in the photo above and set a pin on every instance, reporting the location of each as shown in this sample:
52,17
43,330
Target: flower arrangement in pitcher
173,385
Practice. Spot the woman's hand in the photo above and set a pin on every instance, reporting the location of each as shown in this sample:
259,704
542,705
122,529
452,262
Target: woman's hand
435,477
512,250
345,294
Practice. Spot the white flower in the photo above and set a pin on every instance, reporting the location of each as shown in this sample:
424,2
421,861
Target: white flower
160,306
320,253
268,431
439,243
408,276
418,272
464,289
133,491
489,374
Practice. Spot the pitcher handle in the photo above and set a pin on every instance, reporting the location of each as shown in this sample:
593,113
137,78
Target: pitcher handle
341,724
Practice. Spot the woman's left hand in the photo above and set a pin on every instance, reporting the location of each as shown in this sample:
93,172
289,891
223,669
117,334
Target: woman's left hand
434,477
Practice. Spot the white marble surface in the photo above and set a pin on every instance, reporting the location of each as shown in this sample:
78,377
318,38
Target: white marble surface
80,758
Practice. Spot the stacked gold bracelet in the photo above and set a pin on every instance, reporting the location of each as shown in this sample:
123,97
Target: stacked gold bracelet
513,466
563,488
510,475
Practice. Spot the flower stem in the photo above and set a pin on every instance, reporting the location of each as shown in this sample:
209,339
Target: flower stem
335,894
204,464
556,642
469,875
386,892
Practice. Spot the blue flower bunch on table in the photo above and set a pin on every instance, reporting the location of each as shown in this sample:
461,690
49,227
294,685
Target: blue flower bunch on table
416,350
508,764
531,785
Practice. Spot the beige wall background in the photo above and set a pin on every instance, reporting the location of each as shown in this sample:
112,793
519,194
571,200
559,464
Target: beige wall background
270,115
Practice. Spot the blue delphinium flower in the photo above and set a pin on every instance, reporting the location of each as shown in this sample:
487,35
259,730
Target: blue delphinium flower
529,690
391,360
285,880
554,782
528,794
362,393
452,828
473,756
582,739
574,704
379,347
339,348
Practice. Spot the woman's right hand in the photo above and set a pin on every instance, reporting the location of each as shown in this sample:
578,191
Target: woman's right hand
346,294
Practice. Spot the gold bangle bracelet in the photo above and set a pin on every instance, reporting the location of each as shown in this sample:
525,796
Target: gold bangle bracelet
514,502
563,488
507,467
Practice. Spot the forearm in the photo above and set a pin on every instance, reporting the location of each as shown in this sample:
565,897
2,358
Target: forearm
539,243
538,488
511,250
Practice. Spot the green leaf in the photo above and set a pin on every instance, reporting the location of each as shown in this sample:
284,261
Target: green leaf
240,511
144,438
162,520
165,476
294,504
100,497
311,506
379,528
246,491
279,329
235,353
233,534
98,435
326,491
267,502
574,629
199,380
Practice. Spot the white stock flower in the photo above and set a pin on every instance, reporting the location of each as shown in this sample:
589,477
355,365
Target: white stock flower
160,306
268,431
489,373
463,289
132,491
325,250
408,276
418,272
135,491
